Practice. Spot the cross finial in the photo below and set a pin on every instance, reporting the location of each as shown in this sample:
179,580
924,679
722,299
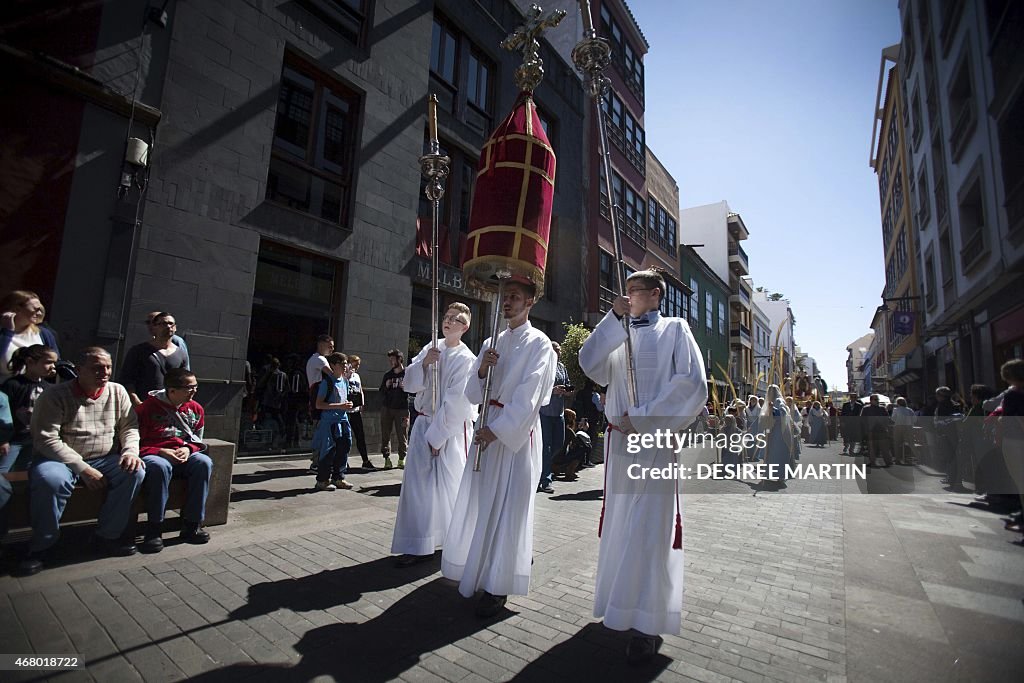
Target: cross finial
525,37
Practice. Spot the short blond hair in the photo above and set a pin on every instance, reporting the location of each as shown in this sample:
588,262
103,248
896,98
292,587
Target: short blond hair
463,309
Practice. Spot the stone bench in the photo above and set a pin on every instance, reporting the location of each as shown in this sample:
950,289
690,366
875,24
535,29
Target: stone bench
84,504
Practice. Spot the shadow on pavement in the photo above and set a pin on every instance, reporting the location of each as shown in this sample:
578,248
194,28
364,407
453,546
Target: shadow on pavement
593,494
261,476
379,649
264,494
594,653
382,491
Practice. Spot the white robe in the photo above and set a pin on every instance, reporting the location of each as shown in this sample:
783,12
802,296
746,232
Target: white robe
639,581
490,541
430,483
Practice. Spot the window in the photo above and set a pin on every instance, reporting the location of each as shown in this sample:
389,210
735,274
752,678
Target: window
672,302
694,303
626,59
314,133
961,105
624,131
454,207
721,319
924,200
606,281
632,210
478,82
661,227
347,17
709,312
442,53
971,204
939,175
462,76
915,117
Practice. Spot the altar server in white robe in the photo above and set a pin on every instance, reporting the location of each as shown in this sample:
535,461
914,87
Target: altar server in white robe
639,583
439,443
489,546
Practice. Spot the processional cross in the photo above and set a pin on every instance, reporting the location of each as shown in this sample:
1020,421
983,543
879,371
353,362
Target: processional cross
531,71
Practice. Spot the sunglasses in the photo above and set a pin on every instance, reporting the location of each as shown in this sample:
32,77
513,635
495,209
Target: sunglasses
191,388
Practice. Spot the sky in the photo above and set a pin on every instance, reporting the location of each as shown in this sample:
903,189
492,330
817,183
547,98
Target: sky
769,105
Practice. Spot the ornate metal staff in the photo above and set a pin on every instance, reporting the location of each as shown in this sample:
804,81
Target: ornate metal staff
503,277
435,169
591,55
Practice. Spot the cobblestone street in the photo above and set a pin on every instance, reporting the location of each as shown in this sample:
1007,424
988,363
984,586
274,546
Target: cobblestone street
828,585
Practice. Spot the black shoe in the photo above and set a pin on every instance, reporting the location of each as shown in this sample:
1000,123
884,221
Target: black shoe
545,488
367,465
29,565
115,547
404,561
490,605
641,649
152,543
195,534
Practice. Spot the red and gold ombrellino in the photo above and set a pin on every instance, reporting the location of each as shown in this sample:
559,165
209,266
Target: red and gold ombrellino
510,220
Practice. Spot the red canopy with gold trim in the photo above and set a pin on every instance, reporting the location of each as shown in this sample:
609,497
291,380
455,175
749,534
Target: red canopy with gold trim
510,220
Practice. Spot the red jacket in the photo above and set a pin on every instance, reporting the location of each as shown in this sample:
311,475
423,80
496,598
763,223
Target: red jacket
158,428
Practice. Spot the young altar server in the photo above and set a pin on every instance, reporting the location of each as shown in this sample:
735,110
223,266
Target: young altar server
489,546
639,583
439,443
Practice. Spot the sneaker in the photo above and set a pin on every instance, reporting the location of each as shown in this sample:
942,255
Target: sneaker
387,464
545,488
641,649
341,484
194,533
325,486
490,605
401,463
367,465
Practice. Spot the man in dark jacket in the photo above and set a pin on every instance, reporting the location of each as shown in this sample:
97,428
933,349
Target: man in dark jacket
875,421
849,421
394,412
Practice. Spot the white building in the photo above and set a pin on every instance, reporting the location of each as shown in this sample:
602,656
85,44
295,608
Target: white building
762,348
719,231
780,324
963,82
856,351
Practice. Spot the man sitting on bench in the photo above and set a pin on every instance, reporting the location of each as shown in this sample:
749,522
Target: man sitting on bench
84,429
171,441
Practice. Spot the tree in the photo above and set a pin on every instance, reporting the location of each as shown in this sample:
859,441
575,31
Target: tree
575,335
775,296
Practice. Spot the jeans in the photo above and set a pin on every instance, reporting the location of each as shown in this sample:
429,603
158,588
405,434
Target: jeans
333,462
160,471
17,460
51,484
552,430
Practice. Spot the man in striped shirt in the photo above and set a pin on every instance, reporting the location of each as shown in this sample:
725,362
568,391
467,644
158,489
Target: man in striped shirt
84,429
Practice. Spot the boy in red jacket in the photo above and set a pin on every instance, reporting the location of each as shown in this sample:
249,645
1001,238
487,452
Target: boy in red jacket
170,443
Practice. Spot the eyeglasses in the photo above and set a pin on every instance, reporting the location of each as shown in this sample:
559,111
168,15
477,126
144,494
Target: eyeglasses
454,319
634,290
190,388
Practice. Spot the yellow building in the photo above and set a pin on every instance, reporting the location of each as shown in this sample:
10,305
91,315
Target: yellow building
900,312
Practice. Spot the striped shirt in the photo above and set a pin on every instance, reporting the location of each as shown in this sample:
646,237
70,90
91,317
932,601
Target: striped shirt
71,428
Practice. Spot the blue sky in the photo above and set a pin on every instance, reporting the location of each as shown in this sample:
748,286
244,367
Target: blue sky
769,106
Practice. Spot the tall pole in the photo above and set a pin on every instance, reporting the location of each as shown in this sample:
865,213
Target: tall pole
435,169
591,55
503,277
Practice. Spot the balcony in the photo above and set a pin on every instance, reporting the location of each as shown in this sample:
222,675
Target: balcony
738,260
740,333
736,226
628,226
635,87
972,250
618,138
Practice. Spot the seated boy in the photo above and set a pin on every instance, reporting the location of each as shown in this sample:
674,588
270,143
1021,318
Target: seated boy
171,445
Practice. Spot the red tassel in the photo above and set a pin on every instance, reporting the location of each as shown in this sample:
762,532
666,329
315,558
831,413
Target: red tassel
600,523
677,543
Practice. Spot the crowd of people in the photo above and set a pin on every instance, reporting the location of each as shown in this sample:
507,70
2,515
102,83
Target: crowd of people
485,432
